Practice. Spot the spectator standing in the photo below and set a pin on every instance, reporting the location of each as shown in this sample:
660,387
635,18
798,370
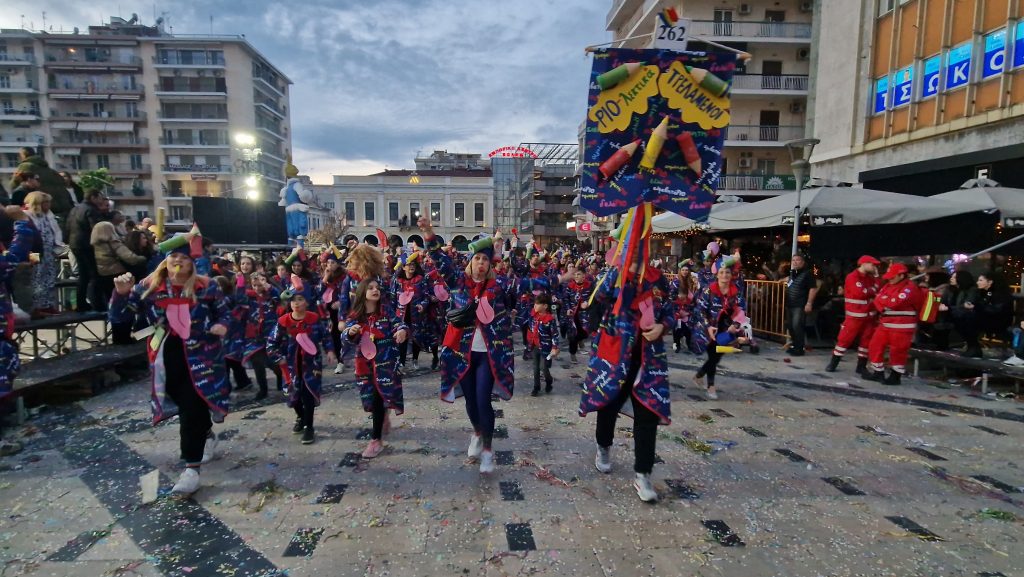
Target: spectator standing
44,273
801,290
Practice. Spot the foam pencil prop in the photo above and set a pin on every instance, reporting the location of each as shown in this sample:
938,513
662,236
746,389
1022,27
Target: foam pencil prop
161,218
709,81
620,158
689,149
618,74
654,144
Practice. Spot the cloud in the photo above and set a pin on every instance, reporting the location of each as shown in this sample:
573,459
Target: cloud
374,82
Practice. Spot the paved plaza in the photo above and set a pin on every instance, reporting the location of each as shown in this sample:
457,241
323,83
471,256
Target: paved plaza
792,472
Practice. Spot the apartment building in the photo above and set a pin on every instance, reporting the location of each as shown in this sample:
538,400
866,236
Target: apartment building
169,116
928,94
769,92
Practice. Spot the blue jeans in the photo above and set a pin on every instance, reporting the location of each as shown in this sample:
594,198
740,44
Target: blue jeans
477,384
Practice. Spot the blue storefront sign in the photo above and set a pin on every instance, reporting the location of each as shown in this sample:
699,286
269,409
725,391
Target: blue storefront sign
1018,45
903,86
958,66
995,54
930,81
881,95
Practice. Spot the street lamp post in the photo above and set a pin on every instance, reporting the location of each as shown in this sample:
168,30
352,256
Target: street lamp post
800,155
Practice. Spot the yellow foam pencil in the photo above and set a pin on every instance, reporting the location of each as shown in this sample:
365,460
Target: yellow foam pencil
654,144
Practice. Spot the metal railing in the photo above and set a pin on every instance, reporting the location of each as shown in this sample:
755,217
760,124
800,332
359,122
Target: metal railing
752,29
766,307
769,82
763,133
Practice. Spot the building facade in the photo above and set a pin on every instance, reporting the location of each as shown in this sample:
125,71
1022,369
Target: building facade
929,94
769,92
460,204
151,107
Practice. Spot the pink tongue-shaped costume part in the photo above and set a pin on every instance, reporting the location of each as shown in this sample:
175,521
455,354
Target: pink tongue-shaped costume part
328,296
441,292
484,311
405,298
306,343
646,314
367,346
180,320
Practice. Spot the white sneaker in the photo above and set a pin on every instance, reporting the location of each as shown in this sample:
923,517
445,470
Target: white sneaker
476,446
1014,361
487,462
188,482
339,368
644,488
711,394
603,459
210,451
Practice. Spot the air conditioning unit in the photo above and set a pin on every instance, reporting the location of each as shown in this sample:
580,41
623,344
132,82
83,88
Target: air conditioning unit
746,9
807,6
746,162
803,54
796,107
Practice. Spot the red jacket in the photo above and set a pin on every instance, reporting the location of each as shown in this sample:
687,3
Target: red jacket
858,293
899,305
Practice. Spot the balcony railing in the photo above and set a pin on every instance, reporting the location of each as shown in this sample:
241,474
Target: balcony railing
738,133
793,82
194,168
102,114
101,143
755,29
755,182
193,142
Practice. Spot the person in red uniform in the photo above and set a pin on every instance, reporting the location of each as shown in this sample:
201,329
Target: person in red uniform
899,304
859,291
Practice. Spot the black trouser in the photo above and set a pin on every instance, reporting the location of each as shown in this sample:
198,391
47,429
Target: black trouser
259,368
193,412
796,318
645,422
84,292
682,330
379,413
710,366
541,364
238,371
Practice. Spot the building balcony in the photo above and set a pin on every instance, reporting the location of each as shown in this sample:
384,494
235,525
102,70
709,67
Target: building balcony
752,31
18,88
109,142
755,184
13,60
178,143
738,135
621,9
195,168
23,115
92,88
62,60
102,115
769,84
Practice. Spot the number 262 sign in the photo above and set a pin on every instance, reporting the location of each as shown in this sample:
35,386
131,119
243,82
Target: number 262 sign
671,37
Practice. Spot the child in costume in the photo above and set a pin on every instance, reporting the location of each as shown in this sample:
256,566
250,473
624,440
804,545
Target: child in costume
296,344
378,330
188,316
542,336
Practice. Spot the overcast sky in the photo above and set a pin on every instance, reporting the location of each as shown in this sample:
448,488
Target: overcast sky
377,81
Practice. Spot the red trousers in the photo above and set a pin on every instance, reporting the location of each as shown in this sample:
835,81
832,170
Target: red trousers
855,330
897,340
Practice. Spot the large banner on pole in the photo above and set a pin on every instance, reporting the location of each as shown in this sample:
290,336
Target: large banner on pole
655,127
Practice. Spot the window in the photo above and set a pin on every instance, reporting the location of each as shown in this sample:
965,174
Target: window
350,212
102,161
369,214
414,211
478,212
393,212
136,160
435,212
460,212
